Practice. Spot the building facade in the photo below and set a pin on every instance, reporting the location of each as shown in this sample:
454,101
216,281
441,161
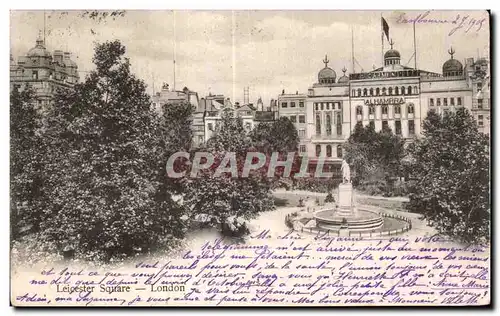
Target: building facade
44,72
392,96
293,106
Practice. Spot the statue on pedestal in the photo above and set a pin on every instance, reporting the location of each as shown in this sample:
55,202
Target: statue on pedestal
346,172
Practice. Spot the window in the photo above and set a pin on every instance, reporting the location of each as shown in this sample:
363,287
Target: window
318,125
35,74
403,90
292,104
301,104
371,110
328,106
328,150
415,91
293,119
377,91
397,109
353,93
479,85
302,148
411,127
316,104
398,127
371,91
409,90
322,106
438,101
390,90
302,133
452,101
200,139
284,105
459,101
339,129
385,109
385,125
359,110
359,92
411,108
445,101
328,124
318,150
384,91
479,103
339,151
210,126
480,121
302,118
396,90
372,124
365,92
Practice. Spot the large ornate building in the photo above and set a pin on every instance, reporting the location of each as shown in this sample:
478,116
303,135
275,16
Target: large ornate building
393,96
44,72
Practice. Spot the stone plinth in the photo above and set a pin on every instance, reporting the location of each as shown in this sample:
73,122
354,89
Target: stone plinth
345,199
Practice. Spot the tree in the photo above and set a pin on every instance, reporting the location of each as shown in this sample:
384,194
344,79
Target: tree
25,161
176,136
226,200
374,157
278,136
103,165
450,164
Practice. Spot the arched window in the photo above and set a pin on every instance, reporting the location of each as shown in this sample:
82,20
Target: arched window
390,90
339,151
415,90
318,150
377,91
359,110
359,92
365,92
397,109
397,90
409,89
371,109
371,91
353,93
328,124
385,109
411,108
383,91
328,150
403,90
318,124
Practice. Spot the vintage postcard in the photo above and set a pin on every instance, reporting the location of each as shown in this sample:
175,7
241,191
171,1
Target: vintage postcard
250,158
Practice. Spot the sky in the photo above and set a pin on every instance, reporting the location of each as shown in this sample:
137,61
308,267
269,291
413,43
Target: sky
221,52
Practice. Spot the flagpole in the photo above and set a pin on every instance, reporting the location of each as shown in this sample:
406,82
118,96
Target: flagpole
414,45
382,37
352,41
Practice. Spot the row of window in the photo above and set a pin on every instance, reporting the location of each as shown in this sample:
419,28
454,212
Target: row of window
293,118
292,104
445,101
328,125
326,105
385,109
329,151
397,127
384,91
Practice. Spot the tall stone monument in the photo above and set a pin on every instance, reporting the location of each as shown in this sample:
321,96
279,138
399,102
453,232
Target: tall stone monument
345,193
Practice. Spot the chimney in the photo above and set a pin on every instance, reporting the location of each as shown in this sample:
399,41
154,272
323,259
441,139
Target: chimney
58,56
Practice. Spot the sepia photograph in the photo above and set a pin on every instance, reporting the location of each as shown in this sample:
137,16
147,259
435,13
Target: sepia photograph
250,158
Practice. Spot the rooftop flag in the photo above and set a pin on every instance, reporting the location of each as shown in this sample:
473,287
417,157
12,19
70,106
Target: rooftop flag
385,28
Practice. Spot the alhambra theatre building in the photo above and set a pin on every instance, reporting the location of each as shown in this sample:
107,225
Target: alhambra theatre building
395,96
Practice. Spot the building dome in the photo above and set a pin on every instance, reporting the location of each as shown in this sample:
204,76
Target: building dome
39,50
452,67
392,53
327,74
344,78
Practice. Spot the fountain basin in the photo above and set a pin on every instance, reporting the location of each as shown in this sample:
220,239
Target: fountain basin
358,220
